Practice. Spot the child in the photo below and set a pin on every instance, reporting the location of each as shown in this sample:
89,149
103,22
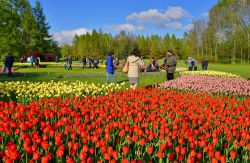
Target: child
65,66
37,64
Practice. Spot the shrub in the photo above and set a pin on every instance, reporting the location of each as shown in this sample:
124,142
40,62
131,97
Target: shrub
48,57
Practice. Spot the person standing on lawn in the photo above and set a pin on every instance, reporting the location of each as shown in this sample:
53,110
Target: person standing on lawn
204,64
84,62
134,62
110,68
31,60
116,63
169,65
9,60
194,63
37,62
3,67
56,59
89,59
70,63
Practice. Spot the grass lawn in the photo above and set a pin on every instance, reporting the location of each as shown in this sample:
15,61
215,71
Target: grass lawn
239,69
56,72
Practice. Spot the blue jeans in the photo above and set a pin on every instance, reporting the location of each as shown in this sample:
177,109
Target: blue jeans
108,77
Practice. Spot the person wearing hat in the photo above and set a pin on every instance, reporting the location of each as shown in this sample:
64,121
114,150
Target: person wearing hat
9,60
169,64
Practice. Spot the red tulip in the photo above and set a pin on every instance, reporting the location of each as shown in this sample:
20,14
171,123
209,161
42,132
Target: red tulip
36,155
232,154
150,150
115,154
125,150
45,145
160,155
124,160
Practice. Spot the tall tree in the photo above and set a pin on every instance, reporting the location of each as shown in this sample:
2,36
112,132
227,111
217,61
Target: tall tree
43,38
28,27
9,28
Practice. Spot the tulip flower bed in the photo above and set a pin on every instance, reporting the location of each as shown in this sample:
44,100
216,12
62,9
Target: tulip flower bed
210,73
210,84
145,125
21,91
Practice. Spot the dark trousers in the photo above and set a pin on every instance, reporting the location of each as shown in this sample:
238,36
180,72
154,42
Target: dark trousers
170,76
83,65
70,67
204,68
10,74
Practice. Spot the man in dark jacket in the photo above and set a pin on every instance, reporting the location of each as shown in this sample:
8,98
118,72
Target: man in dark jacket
204,64
70,63
170,63
9,60
84,62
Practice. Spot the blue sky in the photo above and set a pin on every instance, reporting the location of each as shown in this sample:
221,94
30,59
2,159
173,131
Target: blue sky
70,17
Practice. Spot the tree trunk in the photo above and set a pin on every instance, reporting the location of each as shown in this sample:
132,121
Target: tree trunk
206,46
211,50
197,53
202,51
215,53
241,54
233,53
248,51
211,53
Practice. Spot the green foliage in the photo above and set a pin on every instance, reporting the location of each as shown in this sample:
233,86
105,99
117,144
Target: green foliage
225,36
24,29
98,44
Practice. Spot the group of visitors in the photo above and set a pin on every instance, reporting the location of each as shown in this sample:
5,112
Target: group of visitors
91,61
68,63
153,66
135,62
23,59
192,64
35,61
32,60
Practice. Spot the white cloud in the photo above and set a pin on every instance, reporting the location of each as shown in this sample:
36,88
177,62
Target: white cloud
66,36
150,16
174,25
189,27
205,15
176,13
154,16
178,26
125,27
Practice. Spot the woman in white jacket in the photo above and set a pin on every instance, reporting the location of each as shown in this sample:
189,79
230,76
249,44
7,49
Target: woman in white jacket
134,62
